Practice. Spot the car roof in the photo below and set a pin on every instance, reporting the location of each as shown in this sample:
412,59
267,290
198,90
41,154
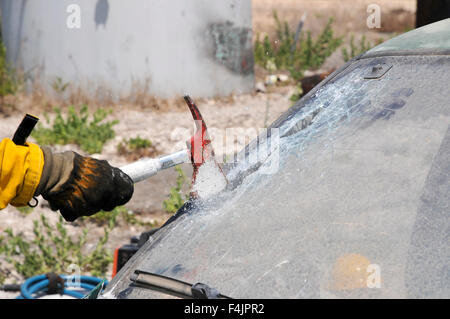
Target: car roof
433,37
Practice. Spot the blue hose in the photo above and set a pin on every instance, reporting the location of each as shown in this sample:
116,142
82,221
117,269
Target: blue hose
39,284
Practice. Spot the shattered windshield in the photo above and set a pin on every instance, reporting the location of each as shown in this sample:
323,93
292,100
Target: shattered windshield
357,205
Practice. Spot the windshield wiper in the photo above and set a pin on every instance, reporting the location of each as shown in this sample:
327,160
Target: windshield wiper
174,287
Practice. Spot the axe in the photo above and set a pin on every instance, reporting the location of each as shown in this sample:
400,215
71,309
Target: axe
199,152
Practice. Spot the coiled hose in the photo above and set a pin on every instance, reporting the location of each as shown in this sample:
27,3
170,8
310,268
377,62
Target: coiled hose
37,286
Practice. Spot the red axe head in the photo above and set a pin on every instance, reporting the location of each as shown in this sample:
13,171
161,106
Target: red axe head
201,150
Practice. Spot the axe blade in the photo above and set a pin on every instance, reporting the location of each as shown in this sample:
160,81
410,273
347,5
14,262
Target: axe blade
200,146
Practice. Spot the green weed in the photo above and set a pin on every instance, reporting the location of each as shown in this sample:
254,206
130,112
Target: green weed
117,215
138,143
53,250
133,144
78,129
136,148
297,94
9,81
59,86
176,199
284,54
25,210
355,50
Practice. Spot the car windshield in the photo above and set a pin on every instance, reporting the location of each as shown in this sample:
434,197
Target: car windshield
356,207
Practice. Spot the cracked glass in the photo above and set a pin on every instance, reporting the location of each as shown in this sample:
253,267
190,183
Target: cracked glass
358,206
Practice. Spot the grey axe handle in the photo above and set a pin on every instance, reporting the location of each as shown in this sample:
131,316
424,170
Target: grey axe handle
148,167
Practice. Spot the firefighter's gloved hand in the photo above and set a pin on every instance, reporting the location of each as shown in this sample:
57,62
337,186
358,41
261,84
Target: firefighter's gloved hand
82,186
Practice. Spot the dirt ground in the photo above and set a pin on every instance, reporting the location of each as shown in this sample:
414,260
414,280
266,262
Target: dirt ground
169,127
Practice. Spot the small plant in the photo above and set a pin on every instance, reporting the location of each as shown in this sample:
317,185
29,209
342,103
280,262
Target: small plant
264,53
90,135
9,83
284,53
131,219
103,218
134,144
136,148
297,94
138,143
25,210
176,198
121,212
59,86
354,49
53,250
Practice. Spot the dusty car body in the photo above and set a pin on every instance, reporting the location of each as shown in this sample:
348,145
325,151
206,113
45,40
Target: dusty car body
358,205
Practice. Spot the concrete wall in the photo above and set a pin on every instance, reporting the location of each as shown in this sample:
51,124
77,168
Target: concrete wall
167,47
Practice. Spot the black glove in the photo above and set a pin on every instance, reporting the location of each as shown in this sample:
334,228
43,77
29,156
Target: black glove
82,186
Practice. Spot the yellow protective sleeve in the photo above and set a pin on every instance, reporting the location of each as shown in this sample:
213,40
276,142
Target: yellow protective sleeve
20,172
